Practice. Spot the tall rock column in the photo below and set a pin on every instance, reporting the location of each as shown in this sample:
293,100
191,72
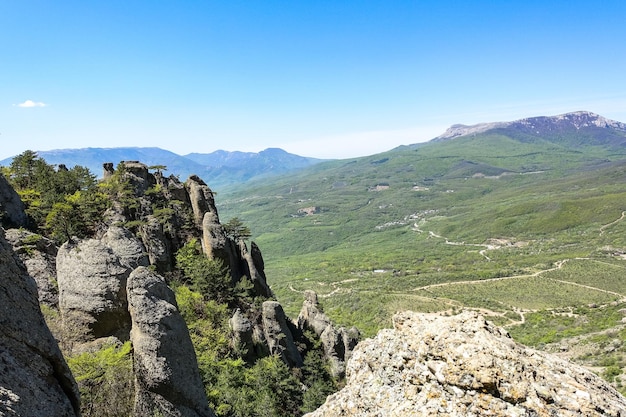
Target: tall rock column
278,335
166,369
34,378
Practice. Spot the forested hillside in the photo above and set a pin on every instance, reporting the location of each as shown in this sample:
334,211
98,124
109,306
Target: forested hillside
158,306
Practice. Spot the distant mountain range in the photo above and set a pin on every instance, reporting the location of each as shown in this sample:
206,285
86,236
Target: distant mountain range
219,168
223,168
577,128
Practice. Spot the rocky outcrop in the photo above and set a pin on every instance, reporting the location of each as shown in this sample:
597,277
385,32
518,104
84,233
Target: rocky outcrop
253,268
34,378
39,257
167,378
201,199
12,209
278,335
432,365
243,334
215,243
157,243
92,278
337,343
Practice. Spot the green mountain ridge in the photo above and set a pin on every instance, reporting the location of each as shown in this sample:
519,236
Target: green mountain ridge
529,232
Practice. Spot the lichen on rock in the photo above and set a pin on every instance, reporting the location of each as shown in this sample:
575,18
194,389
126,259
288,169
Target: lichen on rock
434,365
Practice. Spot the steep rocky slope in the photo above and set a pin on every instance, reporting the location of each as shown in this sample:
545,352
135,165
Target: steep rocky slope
433,365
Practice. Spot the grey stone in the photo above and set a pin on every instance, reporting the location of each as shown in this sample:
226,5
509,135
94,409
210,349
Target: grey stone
39,257
166,370
34,378
92,278
277,334
457,366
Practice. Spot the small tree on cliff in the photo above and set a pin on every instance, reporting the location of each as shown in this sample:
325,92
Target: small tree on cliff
236,230
207,276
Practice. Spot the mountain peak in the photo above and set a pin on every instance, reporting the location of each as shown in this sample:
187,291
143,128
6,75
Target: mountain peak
537,125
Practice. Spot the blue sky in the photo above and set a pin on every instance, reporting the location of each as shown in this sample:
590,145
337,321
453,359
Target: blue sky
329,79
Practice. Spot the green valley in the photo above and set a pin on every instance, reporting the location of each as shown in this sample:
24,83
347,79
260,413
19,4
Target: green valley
529,232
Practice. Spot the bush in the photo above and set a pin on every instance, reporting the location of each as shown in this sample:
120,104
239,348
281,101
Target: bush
105,380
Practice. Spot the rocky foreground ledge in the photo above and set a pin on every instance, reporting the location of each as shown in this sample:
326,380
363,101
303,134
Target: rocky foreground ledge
433,365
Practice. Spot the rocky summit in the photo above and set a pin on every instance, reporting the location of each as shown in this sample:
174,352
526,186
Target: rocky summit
462,365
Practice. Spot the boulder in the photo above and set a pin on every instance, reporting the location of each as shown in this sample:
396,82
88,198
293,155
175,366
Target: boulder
168,381
39,257
215,243
277,334
432,365
92,278
139,176
34,378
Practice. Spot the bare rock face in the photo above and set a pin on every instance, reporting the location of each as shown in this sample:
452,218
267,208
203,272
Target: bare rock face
39,257
92,278
431,365
277,334
243,333
337,343
215,243
167,378
253,268
12,208
157,244
34,378
201,198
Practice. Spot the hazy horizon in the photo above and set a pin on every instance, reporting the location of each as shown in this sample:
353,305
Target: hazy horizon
325,79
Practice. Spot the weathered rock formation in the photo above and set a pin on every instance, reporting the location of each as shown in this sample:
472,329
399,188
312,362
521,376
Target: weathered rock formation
92,276
12,212
166,371
111,289
38,254
278,335
243,334
337,343
432,365
34,378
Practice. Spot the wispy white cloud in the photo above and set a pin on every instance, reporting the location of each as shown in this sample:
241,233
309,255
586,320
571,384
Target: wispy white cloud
31,103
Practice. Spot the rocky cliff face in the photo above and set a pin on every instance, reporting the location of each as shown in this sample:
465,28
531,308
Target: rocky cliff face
34,378
432,365
92,277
